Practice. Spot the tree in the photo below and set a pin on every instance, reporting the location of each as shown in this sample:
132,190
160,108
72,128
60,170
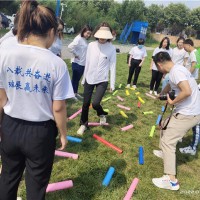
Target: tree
195,20
153,15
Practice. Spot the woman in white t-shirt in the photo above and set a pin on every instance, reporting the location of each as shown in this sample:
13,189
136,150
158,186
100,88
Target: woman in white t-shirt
136,59
100,59
34,84
156,75
56,47
79,48
179,56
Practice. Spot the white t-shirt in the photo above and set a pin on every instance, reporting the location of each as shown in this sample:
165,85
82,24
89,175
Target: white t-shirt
100,59
79,48
10,41
157,50
33,77
192,58
56,46
178,55
137,53
190,105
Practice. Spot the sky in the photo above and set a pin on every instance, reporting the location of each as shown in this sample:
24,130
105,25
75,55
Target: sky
189,3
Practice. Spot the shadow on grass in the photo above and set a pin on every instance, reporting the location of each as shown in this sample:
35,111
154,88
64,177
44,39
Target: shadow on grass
88,184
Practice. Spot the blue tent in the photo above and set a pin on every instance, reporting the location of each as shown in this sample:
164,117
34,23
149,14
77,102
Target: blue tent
138,30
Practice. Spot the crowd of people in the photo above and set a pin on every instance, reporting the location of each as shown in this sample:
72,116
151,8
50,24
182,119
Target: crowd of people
33,75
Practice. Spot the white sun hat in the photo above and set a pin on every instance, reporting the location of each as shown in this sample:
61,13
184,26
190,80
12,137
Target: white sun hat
103,33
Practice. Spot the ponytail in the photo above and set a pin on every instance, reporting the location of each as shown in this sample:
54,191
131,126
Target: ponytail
35,19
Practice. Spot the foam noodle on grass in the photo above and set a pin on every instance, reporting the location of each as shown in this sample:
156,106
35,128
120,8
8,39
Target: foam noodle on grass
152,131
120,85
127,127
121,99
66,154
150,95
148,112
97,124
59,186
141,156
108,176
75,114
141,100
127,93
123,114
73,139
115,92
107,143
123,107
139,104
131,189
106,99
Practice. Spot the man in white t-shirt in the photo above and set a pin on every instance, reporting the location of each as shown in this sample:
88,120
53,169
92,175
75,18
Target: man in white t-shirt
185,115
192,61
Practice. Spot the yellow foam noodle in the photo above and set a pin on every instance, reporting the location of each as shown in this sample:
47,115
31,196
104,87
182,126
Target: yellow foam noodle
127,93
141,100
152,131
123,114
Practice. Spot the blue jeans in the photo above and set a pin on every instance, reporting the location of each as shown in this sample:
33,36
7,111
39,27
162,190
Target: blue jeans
77,72
196,136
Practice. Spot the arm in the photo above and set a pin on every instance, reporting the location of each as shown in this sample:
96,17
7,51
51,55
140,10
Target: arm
166,89
3,101
192,68
113,71
151,64
72,47
129,61
185,91
60,113
140,65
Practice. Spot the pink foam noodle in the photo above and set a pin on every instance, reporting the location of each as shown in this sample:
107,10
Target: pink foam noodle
66,154
97,124
75,114
121,99
131,189
123,107
59,186
127,127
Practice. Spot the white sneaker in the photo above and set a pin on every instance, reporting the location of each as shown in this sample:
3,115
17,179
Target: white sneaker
81,130
158,153
102,119
128,86
150,92
134,86
19,198
165,183
79,96
188,150
155,93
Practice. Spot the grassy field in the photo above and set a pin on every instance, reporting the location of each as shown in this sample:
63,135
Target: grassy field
94,160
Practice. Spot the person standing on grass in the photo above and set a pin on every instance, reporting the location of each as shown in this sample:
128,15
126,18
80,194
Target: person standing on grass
79,48
100,59
136,59
56,47
185,115
34,84
156,75
179,56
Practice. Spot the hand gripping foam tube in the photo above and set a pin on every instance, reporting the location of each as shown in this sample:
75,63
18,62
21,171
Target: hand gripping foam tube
127,127
115,92
66,154
131,189
158,119
73,139
108,176
123,107
152,131
123,114
59,186
75,114
141,156
107,143
121,99
127,93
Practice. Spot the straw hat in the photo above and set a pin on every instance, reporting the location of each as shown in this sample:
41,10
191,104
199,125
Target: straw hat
103,33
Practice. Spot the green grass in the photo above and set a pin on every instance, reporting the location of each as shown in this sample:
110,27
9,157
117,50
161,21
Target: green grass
94,160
